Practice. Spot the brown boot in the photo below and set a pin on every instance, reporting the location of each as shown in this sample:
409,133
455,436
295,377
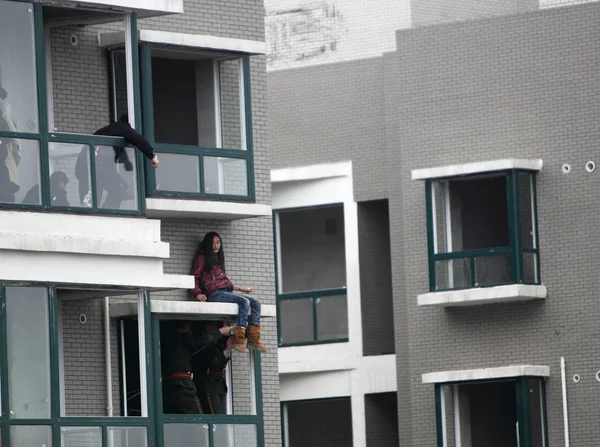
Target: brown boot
239,339
254,339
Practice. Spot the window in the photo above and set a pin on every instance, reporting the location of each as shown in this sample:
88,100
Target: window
53,97
311,257
482,231
505,413
199,118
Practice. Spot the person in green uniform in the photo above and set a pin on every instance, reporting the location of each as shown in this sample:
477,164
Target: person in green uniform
208,366
179,390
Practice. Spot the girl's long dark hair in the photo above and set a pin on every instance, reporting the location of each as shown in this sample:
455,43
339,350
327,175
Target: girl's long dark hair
210,258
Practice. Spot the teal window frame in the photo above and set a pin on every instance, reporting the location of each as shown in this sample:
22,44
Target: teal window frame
199,151
155,420
523,408
45,137
315,296
515,250
210,420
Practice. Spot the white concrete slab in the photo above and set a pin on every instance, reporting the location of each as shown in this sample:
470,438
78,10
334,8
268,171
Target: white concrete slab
205,209
187,308
502,372
483,295
476,168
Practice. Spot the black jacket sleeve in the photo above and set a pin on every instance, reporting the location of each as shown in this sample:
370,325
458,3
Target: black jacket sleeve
196,343
131,135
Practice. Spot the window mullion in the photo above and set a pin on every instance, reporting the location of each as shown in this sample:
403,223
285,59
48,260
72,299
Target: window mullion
523,413
430,234
40,57
3,359
439,408
513,225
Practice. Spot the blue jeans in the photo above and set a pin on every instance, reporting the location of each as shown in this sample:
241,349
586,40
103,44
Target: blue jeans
244,303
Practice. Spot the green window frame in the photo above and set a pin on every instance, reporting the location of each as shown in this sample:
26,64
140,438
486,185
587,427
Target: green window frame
515,251
315,297
153,422
525,386
45,137
245,154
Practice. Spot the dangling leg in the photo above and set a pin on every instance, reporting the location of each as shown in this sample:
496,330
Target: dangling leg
254,326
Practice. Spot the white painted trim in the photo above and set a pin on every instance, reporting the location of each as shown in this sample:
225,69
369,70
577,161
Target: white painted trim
502,372
476,168
285,425
187,308
277,219
483,295
312,172
49,80
443,414
121,336
147,6
90,246
143,332
197,41
205,209
217,93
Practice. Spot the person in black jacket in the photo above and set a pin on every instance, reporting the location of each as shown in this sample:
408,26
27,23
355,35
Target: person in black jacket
179,391
58,191
107,177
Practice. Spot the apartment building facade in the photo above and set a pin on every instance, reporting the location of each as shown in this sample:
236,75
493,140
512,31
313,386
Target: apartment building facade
95,257
477,132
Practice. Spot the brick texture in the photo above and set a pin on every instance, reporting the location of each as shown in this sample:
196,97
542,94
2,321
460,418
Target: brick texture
522,85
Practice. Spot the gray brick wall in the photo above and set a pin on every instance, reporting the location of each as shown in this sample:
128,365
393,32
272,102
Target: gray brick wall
375,278
81,105
523,85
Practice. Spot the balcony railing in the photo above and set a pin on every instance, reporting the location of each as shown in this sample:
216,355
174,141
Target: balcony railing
314,317
484,268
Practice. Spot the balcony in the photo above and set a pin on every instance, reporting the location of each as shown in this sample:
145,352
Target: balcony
482,233
197,117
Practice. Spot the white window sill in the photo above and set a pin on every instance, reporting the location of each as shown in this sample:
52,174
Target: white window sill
179,208
187,308
502,372
484,295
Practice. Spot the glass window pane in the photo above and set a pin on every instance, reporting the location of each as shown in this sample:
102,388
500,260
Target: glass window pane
230,435
492,270
332,317
89,337
30,435
19,171
116,187
526,209
439,192
536,412
178,172
127,436
69,175
18,90
231,118
28,352
225,176
452,274
296,321
304,232
80,436
78,94
530,268
186,435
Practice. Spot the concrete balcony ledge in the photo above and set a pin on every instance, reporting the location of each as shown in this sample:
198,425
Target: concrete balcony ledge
145,8
483,295
187,308
502,372
204,209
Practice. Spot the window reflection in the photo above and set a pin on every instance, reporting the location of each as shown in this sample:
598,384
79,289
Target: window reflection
19,171
18,92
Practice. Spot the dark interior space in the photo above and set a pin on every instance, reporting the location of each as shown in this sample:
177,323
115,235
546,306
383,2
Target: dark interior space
376,277
381,415
493,410
483,208
320,423
175,106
